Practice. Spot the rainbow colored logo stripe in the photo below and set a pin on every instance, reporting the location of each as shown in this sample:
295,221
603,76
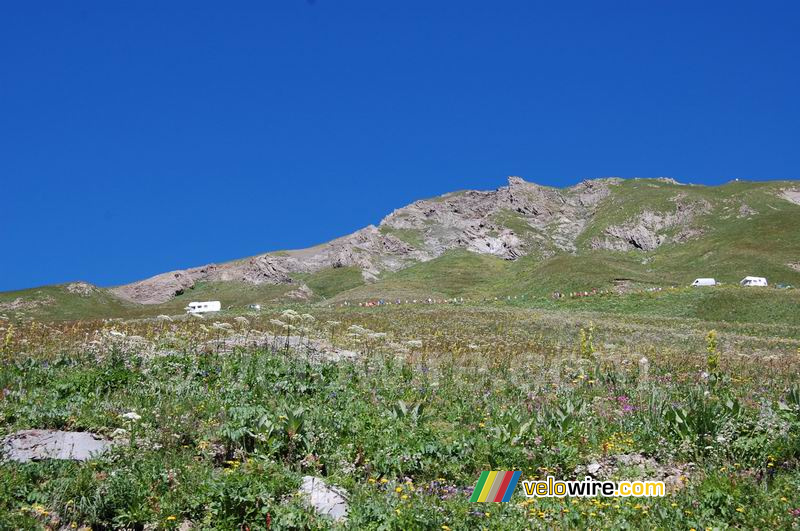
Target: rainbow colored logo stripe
495,486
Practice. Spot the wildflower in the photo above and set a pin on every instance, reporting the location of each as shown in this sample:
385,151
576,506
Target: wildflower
171,517
445,528
404,497
384,480
291,315
132,416
398,489
740,509
371,480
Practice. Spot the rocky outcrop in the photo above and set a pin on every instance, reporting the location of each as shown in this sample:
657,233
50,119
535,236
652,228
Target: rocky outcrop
84,289
302,293
470,219
367,249
650,229
21,303
509,222
791,195
157,289
550,218
745,211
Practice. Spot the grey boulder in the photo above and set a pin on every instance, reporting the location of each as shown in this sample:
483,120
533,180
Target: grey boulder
35,445
327,501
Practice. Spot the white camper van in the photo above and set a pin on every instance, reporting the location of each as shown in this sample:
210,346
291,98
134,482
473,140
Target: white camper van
203,307
753,281
704,282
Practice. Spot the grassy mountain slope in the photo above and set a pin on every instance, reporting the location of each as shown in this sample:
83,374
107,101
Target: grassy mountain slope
725,232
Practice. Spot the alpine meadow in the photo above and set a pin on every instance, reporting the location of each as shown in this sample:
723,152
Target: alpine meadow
550,331
399,265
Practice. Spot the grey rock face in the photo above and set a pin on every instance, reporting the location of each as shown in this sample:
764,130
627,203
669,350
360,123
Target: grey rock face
648,230
791,195
512,221
327,501
35,445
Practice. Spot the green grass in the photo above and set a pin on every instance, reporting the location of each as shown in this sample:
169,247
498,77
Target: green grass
414,237
230,294
730,248
224,438
329,282
455,273
713,304
56,303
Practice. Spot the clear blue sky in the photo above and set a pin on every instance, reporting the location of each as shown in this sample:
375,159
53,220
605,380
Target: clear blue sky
140,137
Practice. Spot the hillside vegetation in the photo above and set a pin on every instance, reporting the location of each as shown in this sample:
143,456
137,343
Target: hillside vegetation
523,241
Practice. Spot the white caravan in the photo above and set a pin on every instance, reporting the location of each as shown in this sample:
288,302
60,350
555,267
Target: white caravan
203,307
704,282
753,281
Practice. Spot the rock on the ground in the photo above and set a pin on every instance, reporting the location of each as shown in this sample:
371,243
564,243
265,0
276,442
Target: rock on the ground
302,293
327,501
637,466
35,445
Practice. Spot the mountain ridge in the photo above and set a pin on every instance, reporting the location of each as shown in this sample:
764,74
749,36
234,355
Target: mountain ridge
585,235
510,222
456,219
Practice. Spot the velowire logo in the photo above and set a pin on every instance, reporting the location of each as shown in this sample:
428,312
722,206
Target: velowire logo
495,486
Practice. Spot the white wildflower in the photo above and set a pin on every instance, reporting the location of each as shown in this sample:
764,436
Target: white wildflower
291,315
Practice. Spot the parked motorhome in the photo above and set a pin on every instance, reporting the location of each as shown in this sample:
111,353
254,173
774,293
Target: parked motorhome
203,307
753,281
704,282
